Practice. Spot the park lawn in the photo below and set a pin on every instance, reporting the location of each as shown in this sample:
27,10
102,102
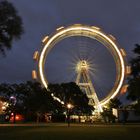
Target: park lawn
106,132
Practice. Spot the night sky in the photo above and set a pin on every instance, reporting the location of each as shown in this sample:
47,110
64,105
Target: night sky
41,17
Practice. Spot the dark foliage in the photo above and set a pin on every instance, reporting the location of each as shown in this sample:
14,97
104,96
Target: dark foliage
71,93
134,78
10,25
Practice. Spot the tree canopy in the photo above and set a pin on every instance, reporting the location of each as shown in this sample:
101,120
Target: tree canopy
31,99
71,93
114,103
134,78
10,25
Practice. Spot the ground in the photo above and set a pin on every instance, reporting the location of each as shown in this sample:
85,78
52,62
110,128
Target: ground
74,132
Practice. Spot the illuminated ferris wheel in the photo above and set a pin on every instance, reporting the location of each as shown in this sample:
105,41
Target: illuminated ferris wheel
85,55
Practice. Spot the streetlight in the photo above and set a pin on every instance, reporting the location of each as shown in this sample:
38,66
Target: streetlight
69,107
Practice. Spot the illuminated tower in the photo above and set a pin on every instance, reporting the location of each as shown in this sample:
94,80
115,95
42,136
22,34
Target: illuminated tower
84,82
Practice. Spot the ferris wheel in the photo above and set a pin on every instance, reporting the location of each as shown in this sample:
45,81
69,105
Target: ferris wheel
87,56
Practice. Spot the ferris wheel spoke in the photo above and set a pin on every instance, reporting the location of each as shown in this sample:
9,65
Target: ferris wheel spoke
82,48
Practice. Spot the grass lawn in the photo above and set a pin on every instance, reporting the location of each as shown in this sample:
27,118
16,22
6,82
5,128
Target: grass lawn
91,132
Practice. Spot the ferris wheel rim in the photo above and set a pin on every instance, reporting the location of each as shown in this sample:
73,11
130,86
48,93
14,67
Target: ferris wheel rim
95,31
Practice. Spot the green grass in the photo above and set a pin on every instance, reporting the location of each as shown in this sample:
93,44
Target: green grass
106,132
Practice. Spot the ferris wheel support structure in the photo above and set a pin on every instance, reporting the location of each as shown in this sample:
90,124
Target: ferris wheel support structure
84,82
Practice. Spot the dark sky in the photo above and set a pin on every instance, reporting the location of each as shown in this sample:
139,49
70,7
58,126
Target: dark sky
41,17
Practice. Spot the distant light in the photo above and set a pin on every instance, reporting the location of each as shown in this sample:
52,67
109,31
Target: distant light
34,74
59,28
77,24
62,102
94,27
17,117
12,114
123,52
57,99
124,89
36,55
128,69
93,113
69,106
111,37
13,98
3,107
45,39
115,112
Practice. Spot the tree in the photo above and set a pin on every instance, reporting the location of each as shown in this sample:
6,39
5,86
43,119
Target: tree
13,95
108,112
28,99
114,103
10,25
39,101
71,93
134,78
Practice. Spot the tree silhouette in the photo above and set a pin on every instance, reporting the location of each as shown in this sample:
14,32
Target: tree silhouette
71,93
10,25
31,99
134,78
114,103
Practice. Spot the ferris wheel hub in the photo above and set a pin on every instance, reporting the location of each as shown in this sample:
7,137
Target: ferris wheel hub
82,65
